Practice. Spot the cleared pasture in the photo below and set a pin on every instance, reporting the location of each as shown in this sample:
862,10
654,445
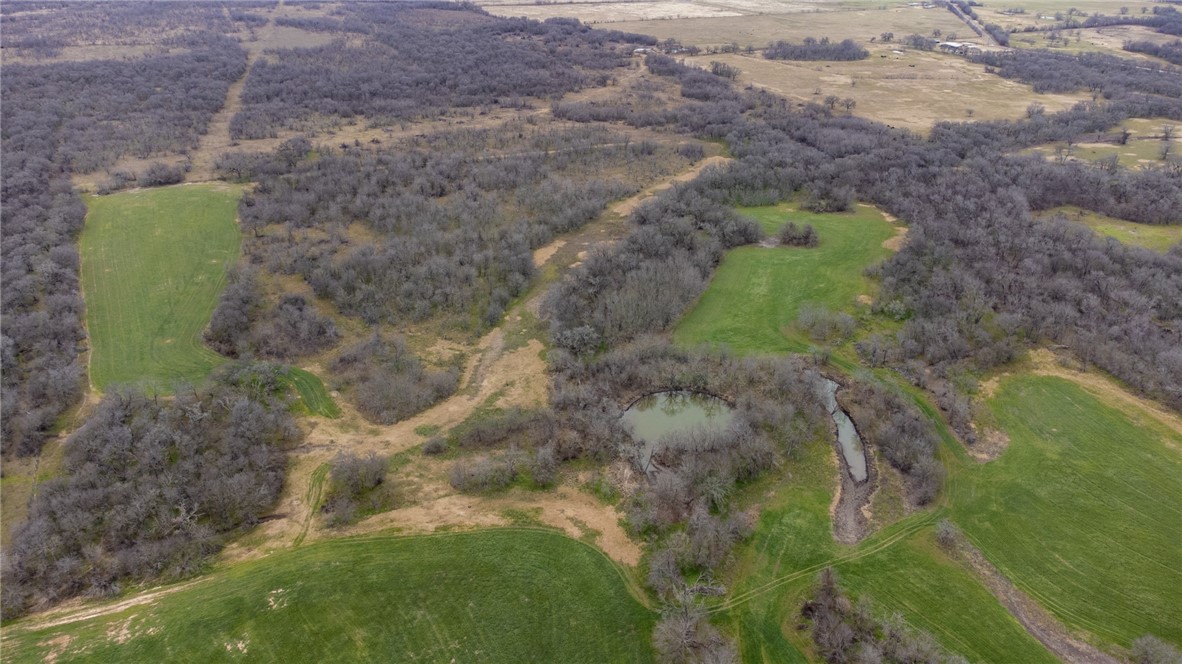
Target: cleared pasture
1083,511
757,292
1157,238
906,89
153,264
508,595
758,30
1142,149
1095,40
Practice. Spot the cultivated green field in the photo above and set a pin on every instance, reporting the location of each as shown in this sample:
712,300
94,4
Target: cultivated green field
506,595
153,263
757,292
1155,237
901,569
1083,511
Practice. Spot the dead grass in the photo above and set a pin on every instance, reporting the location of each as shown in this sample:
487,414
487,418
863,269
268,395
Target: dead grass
904,89
1096,40
760,30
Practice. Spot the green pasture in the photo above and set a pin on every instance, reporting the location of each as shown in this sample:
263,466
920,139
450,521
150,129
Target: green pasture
757,292
1150,236
1083,511
506,595
900,569
153,264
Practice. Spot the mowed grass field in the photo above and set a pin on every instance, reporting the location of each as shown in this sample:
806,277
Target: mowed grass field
1083,511
507,595
1155,237
757,292
153,264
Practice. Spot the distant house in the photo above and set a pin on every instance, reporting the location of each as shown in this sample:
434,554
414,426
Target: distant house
960,48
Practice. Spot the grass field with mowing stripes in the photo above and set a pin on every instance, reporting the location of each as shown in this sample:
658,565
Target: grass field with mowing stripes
153,264
757,292
314,397
1083,511
506,595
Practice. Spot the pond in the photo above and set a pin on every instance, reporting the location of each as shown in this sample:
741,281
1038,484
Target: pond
655,416
847,435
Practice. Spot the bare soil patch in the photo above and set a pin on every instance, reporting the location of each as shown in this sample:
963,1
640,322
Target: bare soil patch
895,243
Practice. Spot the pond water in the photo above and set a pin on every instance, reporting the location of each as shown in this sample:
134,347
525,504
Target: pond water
657,415
847,435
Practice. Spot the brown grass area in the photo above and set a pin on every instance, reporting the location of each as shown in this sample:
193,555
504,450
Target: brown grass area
1096,40
905,89
760,30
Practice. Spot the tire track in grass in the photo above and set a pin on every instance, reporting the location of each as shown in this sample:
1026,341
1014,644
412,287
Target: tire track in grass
312,499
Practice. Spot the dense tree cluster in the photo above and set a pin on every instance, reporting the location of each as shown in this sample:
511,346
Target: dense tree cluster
473,60
1113,77
42,29
844,631
71,117
813,49
148,489
1170,51
98,111
387,382
354,485
243,325
893,425
453,217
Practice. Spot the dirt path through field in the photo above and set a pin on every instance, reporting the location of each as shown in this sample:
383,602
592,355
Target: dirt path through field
217,135
626,206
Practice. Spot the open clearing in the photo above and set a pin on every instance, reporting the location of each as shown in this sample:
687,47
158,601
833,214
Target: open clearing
1155,237
1082,510
1142,149
757,292
488,596
906,89
153,264
1108,40
760,30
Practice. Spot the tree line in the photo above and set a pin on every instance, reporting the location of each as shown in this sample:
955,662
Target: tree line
812,48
